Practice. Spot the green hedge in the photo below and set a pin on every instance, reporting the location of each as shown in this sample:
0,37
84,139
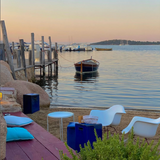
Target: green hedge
115,149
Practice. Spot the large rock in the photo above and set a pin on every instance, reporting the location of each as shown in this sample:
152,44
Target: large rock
5,73
5,64
24,87
3,132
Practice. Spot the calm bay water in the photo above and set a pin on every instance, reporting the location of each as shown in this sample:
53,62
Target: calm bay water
127,75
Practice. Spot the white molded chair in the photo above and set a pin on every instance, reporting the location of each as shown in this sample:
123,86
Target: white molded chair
109,117
142,126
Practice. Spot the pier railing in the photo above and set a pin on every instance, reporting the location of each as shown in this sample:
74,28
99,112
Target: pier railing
20,59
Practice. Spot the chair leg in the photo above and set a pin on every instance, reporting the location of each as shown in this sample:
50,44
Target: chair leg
135,139
107,132
144,138
114,129
104,130
147,141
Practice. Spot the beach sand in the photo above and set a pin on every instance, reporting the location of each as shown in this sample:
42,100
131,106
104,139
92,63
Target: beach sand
40,117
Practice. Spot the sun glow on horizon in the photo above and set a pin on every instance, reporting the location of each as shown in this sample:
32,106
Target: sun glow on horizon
82,21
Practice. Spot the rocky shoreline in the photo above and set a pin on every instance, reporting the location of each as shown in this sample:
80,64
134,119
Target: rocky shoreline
13,102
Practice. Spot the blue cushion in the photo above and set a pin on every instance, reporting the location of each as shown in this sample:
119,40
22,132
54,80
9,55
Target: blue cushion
17,121
18,133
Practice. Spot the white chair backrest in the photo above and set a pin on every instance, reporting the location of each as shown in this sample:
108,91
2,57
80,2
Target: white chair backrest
117,119
142,126
111,116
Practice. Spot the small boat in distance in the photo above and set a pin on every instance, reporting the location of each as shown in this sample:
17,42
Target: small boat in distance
77,47
103,49
86,66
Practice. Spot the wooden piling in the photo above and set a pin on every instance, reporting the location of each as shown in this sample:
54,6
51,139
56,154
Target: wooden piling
23,56
43,56
40,72
2,52
13,51
12,46
49,74
30,57
51,69
55,51
7,48
56,56
50,53
18,54
49,61
32,43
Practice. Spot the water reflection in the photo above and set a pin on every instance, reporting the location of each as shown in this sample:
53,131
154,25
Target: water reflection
41,81
48,81
129,75
50,84
87,77
55,81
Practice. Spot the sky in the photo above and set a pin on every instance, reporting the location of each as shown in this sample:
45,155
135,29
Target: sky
87,21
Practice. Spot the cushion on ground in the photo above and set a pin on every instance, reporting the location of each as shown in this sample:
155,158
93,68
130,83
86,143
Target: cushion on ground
17,121
18,133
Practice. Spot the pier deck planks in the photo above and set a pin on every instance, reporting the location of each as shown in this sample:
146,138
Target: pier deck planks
44,145
38,64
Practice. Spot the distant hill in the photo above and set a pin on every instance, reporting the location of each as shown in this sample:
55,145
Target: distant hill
125,42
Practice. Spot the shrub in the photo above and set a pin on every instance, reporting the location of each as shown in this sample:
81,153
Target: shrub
115,149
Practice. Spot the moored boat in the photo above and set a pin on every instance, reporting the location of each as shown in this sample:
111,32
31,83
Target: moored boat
46,45
103,49
87,66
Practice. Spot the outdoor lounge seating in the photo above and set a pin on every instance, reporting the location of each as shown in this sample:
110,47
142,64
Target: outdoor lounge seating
44,145
109,117
142,126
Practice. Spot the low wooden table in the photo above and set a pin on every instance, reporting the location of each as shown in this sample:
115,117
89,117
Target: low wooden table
44,146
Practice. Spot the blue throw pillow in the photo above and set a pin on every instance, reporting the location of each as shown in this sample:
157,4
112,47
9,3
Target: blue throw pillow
18,133
17,121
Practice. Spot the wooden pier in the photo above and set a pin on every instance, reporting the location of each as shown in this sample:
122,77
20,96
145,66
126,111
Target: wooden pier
25,61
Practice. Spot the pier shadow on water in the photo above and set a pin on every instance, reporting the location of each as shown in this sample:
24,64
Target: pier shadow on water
48,80
86,78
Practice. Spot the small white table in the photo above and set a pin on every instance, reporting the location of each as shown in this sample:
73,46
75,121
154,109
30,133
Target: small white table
61,115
